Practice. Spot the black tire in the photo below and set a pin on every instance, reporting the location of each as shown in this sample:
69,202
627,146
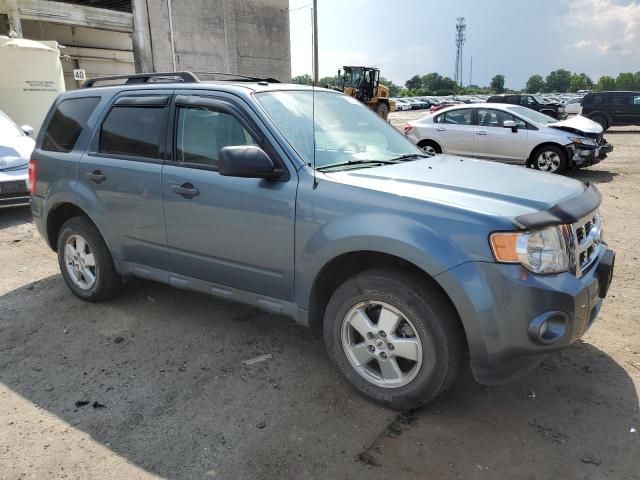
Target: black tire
107,280
382,109
424,145
435,323
602,121
551,149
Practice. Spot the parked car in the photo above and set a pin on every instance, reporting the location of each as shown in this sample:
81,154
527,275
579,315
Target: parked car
534,102
441,105
573,106
402,105
305,203
15,150
511,134
612,108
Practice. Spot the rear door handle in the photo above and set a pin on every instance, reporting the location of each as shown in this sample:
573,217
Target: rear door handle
187,190
481,133
96,176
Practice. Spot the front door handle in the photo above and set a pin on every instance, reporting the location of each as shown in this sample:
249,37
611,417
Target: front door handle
187,190
481,133
441,129
96,176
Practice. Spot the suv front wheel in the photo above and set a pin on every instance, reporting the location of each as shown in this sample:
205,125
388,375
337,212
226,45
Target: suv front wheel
85,261
394,337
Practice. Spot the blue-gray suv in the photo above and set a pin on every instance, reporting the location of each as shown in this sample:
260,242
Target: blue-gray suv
303,202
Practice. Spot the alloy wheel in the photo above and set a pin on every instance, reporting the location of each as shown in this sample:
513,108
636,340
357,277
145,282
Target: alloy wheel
381,344
80,262
548,161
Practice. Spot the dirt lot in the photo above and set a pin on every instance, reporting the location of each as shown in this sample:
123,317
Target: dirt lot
168,396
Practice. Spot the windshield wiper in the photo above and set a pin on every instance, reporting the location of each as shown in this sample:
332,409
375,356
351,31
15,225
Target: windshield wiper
355,162
409,155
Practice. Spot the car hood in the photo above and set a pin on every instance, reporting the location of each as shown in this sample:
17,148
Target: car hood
16,153
491,188
578,124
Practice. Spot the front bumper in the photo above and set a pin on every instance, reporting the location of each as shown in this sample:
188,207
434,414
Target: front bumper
13,188
584,155
502,308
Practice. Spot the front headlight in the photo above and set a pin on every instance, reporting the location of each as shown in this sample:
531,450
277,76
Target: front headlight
540,251
583,141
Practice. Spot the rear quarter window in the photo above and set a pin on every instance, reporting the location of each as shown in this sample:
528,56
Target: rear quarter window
67,122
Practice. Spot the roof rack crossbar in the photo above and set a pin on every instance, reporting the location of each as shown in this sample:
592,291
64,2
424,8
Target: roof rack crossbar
184,77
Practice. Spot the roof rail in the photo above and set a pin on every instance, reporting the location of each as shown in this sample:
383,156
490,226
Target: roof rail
237,76
160,77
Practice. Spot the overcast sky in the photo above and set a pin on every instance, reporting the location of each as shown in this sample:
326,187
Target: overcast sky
516,38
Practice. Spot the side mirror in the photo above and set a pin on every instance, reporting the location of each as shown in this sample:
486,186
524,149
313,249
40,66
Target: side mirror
510,124
246,161
27,130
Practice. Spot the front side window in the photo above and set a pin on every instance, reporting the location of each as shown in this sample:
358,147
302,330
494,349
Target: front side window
133,131
202,132
67,122
495,118
636,100
345,130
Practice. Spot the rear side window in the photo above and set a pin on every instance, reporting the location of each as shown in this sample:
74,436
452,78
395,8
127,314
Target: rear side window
618,100
133,131
67,122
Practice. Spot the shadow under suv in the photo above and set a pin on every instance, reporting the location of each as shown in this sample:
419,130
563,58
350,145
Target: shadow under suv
307,204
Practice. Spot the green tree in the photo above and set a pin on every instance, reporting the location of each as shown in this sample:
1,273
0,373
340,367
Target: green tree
497,84
394,89
558,81
580,82
535,84
414,82
626,81
303,79
333,80
606,83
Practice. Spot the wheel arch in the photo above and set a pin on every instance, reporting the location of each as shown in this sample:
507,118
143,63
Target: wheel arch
58,215
538,147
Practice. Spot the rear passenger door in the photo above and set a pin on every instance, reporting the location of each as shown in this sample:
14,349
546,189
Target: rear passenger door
454,131
233,232
120,177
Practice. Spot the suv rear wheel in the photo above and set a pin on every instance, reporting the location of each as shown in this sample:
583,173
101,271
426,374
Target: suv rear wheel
85,261
550,159
395,338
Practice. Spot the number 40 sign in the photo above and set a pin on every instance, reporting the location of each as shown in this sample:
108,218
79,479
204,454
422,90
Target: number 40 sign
79,74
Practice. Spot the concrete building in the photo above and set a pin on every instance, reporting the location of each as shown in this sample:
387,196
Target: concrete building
111,37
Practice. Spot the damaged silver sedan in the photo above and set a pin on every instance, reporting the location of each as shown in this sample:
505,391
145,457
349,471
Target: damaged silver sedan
511,134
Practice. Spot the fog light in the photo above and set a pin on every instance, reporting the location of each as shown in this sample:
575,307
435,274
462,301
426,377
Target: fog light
548,327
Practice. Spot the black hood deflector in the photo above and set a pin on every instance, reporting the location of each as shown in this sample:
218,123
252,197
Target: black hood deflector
568,211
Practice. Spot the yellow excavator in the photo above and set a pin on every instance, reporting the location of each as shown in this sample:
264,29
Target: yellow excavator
363,83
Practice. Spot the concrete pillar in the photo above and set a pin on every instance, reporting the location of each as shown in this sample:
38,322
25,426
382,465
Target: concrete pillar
141,38
10,9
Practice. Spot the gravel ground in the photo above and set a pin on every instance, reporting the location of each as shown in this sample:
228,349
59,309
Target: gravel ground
152,385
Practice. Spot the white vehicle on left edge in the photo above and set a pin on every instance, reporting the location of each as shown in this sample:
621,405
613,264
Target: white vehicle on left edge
510,134
15,150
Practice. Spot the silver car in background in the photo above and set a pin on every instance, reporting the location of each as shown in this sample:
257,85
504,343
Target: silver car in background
15,150
510,134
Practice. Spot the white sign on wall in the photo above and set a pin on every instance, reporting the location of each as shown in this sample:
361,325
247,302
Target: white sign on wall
79,74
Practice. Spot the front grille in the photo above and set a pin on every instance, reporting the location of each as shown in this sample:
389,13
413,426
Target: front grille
586,237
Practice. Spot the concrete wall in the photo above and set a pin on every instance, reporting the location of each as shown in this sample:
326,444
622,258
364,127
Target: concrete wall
248,37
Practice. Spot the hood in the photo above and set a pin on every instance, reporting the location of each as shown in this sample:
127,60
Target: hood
578,124
491,188
16,153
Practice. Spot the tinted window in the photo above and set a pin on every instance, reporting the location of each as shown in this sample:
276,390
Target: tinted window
133,131
595,99
458,117
67,122
618,100
495,118
203,132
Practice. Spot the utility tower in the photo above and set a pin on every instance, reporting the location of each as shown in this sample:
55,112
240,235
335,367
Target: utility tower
461,28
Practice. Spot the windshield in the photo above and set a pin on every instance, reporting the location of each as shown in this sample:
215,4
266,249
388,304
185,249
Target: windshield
8,129
345,130
533,116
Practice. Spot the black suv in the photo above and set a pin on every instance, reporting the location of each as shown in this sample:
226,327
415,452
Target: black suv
612,108
534,102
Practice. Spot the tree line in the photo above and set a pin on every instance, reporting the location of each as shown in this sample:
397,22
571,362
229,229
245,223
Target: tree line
558,81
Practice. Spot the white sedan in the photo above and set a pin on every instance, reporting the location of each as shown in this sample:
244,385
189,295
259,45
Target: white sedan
401,105
15,149
510,134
